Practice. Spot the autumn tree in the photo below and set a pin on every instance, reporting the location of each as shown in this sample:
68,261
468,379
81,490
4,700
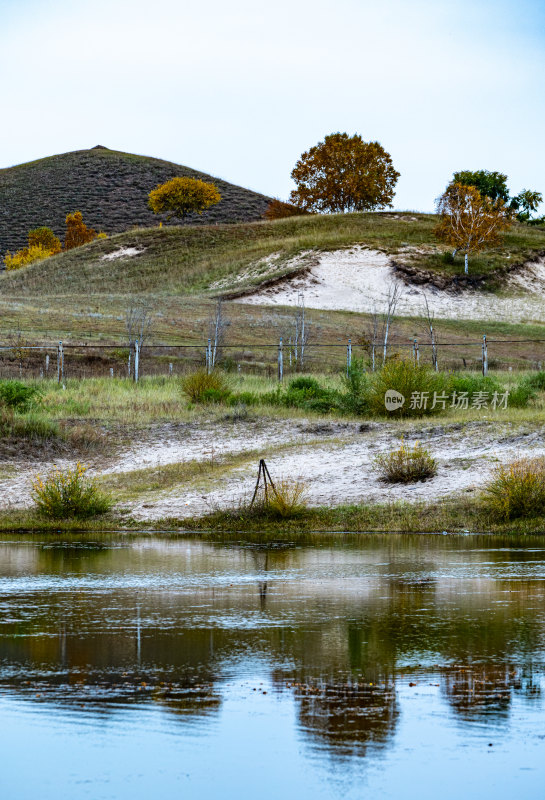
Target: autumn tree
42,243
77,232
44,237
344,173
470,222
277,209
182,196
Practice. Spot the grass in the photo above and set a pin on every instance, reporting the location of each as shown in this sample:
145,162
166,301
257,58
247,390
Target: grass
186,260
406,464
109,187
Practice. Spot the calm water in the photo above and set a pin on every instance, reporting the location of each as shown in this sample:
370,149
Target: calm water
380,667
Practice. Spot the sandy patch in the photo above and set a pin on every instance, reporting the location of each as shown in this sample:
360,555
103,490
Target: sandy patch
359,279
334,458
123,252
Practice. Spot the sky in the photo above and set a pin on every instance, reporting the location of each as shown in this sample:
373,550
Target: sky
240,89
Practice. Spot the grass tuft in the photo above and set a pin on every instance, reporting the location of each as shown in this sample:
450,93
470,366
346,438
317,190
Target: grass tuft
516,490
406,464
67,494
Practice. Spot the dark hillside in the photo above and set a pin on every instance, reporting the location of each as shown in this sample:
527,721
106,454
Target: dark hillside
110,189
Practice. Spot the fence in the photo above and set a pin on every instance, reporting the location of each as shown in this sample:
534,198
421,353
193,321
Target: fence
280,359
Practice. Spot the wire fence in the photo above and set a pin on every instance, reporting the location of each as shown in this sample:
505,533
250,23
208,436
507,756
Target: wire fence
280,359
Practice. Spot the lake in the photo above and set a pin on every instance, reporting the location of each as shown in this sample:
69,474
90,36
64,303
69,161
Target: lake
380,666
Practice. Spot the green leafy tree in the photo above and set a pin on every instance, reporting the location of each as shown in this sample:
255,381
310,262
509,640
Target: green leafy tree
489,184
344,173
182,196
525,203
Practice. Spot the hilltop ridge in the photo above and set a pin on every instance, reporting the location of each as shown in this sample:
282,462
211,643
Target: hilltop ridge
109,187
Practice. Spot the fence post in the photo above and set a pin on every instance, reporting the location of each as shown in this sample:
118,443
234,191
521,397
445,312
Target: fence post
170,369
60,363
485,357
47,362
416,352
348,357
136,360
280,361
111,372
209,357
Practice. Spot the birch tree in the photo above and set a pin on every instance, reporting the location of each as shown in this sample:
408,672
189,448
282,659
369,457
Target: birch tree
470,222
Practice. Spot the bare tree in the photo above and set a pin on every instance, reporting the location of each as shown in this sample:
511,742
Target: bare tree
394,295
302,330
217,327
138,324
430,319
372,338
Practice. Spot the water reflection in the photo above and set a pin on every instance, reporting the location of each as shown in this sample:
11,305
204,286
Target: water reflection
339,633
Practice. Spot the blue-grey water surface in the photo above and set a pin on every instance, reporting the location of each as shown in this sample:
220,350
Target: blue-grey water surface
372,667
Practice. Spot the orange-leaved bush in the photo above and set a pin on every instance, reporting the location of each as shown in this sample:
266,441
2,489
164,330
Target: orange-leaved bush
77,232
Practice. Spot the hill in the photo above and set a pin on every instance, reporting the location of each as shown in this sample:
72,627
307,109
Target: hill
234,259
110,188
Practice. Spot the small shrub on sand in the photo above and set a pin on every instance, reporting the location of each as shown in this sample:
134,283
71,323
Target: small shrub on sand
67,493
516,490
406,464
201,387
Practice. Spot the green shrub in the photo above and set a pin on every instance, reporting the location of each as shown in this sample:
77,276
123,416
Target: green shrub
408,379
521,395
516,490
199,383
475,383
244,398
214,395
305,384
18,395
406,464
67,494
355,400
537,381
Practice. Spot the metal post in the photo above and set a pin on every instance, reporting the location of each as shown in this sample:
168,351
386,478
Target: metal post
485,357
111,372
209,357
170,369
280,361
136,359
417,352
47,363
348,357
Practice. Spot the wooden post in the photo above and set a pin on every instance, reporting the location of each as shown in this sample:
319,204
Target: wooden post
280,361
60,363
136,360
485,357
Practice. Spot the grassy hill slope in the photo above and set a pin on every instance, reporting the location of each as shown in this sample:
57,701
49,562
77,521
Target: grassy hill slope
185,260
110,188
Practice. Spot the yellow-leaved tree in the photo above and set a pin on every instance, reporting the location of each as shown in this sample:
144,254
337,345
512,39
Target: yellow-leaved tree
470,221
182,196
42,243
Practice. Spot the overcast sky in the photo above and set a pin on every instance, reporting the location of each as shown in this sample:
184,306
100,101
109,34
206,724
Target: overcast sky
239,89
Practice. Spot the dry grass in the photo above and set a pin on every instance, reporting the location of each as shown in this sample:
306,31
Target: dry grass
406,464
516,490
